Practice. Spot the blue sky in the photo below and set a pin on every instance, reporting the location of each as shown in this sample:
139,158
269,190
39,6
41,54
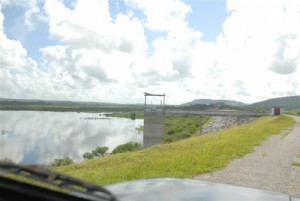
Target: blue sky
206,16
113,51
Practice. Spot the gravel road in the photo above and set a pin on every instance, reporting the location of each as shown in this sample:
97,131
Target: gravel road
268,168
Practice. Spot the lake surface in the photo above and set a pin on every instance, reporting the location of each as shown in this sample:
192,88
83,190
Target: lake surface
35,137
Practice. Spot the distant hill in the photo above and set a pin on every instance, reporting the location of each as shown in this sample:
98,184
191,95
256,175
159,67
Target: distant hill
56,105
211,101
287,103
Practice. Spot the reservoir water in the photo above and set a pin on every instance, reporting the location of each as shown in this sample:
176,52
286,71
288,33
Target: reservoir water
37,137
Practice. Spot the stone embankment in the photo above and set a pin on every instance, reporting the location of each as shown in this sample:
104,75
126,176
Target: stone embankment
219,123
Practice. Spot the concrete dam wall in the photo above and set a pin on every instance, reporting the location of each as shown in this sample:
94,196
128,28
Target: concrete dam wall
153,128
154,125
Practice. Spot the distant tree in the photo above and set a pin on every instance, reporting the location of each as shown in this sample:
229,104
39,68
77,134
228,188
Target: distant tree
6,161
99,151
88,156
127,147
62,161
132,116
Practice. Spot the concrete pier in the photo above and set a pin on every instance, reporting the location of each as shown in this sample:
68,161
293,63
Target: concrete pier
154,117
153,127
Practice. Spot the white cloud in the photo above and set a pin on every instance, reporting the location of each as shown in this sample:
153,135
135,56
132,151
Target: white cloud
15,67
20,76
32,12
166,15
13,55
81,26
256,57
250,49
102,47
89,25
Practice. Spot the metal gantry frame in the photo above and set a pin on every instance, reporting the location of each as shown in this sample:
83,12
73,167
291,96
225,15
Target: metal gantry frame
159,95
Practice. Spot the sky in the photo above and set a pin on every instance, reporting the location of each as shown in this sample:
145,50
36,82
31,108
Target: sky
115,50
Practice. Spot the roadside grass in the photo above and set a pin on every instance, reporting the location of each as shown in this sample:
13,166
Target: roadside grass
183,159
292,112
296,164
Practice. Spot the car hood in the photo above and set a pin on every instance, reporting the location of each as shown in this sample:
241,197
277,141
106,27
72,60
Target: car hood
187,189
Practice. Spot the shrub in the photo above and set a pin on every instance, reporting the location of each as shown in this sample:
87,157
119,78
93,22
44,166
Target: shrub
62,161
99,151
88,156
132,116
130,146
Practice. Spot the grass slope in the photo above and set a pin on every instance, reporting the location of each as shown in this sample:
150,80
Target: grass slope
296,164
185,158
177,127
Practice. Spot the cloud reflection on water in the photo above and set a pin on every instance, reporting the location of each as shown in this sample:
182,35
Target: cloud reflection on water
40,137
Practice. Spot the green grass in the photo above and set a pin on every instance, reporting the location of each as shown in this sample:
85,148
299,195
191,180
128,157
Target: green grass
296,164
176,127
293,112
182,127
184,159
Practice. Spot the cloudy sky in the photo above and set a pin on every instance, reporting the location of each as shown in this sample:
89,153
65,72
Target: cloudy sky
115,50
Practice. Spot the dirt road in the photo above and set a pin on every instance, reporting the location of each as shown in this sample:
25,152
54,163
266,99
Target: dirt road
269,167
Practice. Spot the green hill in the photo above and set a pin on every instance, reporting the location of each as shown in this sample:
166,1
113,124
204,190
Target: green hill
215,102
287,103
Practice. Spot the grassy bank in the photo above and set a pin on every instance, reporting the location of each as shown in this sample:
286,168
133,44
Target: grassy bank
185,158
181,127
177,127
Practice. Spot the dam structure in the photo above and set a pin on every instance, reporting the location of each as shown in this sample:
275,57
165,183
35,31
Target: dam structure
155,111
154,118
